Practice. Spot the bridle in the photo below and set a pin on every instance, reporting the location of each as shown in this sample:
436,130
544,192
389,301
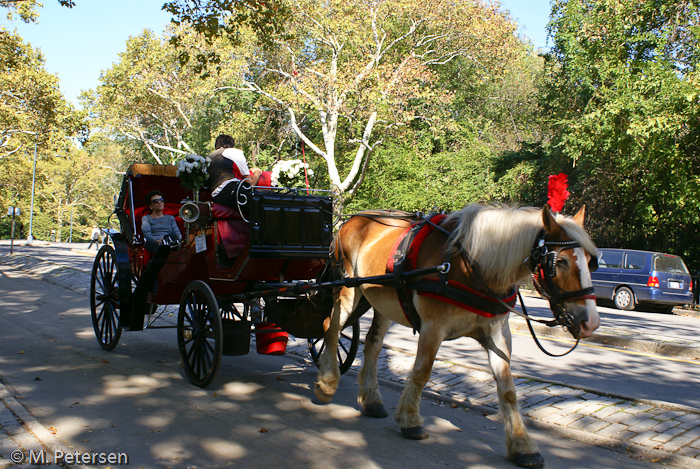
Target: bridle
542,263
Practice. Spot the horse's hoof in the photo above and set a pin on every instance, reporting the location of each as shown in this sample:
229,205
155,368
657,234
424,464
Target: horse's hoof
376,411
415,433
531,461
323,396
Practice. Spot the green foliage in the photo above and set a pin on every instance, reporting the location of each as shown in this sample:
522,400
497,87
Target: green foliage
403,177
33,109
223,19
26,9
622,93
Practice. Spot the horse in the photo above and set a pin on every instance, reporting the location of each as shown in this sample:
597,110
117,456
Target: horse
490,250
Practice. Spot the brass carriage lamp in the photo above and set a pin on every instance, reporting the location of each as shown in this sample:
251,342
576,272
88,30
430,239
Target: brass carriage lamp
189,212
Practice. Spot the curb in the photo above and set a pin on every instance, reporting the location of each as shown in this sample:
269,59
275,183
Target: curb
43,436
655,347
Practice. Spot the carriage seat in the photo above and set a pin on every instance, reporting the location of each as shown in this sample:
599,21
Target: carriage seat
233,232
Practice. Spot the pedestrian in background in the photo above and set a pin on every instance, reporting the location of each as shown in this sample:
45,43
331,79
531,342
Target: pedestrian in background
95,237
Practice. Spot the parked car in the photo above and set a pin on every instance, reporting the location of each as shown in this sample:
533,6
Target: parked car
630,278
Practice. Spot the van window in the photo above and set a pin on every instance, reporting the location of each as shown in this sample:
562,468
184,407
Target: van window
610,259
634,260
670,264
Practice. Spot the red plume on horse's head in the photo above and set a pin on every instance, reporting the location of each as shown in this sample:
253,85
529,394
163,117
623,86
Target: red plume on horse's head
557,191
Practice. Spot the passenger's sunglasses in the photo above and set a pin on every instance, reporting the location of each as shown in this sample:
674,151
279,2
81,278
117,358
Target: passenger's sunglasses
159,200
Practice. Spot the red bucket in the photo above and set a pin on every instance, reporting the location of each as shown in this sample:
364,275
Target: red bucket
270,343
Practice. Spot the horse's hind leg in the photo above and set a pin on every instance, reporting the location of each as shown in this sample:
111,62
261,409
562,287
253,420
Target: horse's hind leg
328,369
369,397
520,447
408,412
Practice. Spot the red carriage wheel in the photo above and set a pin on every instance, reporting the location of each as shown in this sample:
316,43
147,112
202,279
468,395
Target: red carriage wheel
199,333
104,298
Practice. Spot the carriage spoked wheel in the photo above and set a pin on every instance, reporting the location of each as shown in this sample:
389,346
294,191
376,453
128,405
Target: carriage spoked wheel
104,298
348,343
199,333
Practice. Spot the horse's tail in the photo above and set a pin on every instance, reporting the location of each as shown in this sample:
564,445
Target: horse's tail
334,268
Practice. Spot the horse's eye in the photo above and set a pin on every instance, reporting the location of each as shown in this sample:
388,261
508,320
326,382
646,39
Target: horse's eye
561,262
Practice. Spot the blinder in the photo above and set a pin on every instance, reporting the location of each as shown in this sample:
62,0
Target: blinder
541,255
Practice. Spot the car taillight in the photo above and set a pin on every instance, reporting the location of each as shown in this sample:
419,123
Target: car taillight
653,282
690,288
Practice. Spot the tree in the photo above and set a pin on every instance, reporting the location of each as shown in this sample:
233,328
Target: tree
151,100
623,96
357,70
78,183
31,104
34,118
26,9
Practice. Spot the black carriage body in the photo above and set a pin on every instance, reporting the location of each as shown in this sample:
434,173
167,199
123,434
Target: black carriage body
290,236
290,226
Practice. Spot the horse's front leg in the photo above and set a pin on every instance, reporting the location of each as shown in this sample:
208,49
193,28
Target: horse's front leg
368,396
328,370
408,412
520,447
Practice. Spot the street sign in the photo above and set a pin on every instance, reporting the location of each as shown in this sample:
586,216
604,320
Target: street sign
13,211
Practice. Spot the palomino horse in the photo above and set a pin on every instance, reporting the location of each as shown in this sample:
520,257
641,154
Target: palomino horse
490,251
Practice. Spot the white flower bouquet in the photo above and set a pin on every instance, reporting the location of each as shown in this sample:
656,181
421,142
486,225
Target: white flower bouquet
192,171
290,173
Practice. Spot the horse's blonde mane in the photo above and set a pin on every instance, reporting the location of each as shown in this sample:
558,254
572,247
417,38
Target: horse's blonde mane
499,239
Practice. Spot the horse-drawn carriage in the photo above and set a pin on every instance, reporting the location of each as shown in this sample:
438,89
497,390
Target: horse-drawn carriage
446,276
217,272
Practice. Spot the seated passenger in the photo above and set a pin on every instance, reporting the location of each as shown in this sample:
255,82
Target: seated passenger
227,169
158,228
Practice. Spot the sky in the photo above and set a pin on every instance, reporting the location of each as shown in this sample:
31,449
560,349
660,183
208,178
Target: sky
81,42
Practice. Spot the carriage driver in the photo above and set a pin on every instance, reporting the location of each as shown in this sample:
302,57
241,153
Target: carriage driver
228,167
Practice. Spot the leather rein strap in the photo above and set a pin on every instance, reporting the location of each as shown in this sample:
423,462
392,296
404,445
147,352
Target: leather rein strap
398,262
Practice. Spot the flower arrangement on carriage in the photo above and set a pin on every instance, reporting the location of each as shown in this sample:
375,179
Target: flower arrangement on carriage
293,174
193,173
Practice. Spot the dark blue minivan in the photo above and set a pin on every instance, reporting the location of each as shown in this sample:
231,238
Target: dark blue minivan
628,278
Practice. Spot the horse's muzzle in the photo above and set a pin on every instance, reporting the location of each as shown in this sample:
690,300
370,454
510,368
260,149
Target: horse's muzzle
585,317
589,326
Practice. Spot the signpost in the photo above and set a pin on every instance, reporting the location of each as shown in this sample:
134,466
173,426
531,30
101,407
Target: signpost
14,211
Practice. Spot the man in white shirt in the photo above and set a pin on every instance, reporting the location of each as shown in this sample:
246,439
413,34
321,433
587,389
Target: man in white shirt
227,169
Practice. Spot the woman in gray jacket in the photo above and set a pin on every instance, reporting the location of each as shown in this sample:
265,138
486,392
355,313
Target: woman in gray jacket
157,227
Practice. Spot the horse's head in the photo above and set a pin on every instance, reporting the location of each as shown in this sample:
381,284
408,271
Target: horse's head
561,261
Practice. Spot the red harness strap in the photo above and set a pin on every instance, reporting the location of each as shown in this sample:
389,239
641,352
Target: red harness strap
405,254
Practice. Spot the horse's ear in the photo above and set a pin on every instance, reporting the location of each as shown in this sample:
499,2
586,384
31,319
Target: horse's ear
550,224
580,216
